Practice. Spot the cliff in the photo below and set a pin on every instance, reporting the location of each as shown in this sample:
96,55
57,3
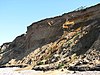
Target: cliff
47,45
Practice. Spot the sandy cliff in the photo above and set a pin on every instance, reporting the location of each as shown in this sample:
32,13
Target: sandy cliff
47,46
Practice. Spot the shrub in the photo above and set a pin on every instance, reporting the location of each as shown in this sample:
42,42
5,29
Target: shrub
40,63
60,65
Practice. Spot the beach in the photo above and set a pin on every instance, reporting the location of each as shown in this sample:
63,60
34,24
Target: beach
12,71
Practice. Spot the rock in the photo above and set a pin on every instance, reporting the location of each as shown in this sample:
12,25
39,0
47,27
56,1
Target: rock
4,47
84,68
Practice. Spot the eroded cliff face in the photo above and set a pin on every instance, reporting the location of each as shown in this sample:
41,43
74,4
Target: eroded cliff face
45,41
37,35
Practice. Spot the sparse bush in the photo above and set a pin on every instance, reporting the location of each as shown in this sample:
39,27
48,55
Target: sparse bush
60,65
80,8
40,63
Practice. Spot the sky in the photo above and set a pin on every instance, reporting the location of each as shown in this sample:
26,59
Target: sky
16,15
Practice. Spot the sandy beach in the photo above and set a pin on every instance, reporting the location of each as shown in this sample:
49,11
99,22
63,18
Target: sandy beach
11,71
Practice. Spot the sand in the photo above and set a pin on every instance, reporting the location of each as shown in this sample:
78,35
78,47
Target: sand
12,71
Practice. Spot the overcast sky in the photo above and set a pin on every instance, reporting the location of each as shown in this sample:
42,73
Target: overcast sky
16,15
